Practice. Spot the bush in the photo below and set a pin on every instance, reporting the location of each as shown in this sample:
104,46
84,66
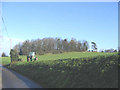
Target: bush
115,50
3,54
14,55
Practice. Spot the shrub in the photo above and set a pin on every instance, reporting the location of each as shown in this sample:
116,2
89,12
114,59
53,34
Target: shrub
14,55
3,54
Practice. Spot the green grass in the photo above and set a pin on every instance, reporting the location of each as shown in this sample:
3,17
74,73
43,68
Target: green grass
5,60
73,69
68,55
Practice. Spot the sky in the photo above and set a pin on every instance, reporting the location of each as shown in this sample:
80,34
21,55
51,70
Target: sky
91,21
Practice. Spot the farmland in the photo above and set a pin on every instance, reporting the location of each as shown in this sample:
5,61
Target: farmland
72,69
5,60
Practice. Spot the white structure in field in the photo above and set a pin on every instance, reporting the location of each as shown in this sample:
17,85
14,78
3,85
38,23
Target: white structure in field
32,54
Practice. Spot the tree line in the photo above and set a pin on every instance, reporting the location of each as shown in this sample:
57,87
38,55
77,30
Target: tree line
51,45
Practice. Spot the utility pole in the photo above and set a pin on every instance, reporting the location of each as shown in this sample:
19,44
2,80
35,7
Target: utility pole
1,37
10,44
1,19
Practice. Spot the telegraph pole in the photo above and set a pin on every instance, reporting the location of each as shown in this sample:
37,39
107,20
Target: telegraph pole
1,37
10,44
10,40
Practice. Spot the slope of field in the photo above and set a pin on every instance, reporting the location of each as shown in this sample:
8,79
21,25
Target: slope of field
68,55
5,60
75,69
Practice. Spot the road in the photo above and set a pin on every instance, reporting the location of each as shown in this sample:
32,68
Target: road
12,79
0,77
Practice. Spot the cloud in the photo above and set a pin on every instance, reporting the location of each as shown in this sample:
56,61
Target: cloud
7,43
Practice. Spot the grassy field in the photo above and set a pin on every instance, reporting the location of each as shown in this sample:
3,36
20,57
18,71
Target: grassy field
68,55
73,69
5,60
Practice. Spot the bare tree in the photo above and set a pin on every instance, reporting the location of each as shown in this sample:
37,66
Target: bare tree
51,45
79,46
72,45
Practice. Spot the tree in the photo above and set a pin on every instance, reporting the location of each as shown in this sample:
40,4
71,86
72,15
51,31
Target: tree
94,46
79,46
59,44
16,47
65,45
85,46
26,47
14,55
3,54
33,47
44,45
73,45
20,52
115,50
51,45
39,47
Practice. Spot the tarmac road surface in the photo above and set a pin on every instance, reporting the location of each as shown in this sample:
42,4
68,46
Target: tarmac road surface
12,79
0,77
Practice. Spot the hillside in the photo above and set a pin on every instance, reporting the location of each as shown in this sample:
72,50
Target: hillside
74,69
